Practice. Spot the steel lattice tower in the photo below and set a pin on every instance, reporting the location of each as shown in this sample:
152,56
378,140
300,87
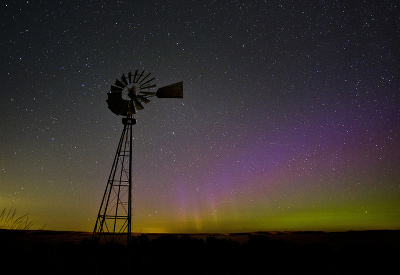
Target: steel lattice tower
115,215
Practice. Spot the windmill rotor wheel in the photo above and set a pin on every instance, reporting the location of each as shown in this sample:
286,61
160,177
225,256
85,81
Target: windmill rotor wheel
129,92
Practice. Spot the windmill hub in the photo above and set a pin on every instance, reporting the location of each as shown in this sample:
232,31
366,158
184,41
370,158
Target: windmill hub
126,92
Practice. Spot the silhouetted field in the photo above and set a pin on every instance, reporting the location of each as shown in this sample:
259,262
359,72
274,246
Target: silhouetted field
53,252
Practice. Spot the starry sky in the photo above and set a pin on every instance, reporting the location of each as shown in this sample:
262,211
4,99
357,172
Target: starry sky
290,118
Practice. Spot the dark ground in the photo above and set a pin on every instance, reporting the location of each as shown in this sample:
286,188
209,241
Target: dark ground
54,252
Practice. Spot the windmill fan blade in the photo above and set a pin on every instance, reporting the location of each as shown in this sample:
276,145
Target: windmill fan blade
149,81
120,109
113,108
143,99
171,91
148,87
114,96
137,80
144,78
116,104
134,77
130,77
116,89
119,83
125,107
138,105
123,78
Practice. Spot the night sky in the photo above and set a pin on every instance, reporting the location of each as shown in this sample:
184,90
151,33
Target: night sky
290,118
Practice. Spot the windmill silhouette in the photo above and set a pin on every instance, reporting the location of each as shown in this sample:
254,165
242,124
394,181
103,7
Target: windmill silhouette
114,220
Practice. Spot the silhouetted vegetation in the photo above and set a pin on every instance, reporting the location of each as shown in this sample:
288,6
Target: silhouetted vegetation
171,254
10,220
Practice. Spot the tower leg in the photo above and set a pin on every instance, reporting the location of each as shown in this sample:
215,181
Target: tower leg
114,219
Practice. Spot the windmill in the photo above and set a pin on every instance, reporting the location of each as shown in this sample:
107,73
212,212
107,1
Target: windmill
125,98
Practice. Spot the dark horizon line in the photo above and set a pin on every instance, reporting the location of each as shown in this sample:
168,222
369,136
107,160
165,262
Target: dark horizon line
271,232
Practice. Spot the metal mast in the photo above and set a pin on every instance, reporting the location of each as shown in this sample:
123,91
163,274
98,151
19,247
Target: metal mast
114,220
